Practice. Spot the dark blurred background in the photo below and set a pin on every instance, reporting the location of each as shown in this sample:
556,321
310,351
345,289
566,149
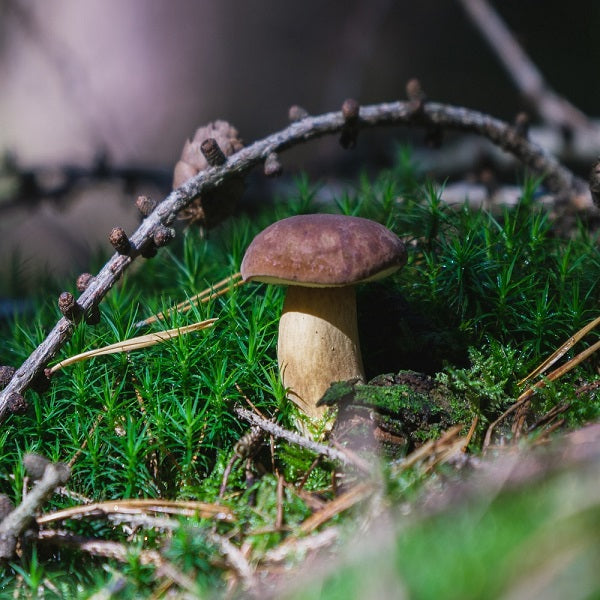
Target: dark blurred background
105,85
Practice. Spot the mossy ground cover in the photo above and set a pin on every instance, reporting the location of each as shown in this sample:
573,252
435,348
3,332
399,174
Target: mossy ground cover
484,297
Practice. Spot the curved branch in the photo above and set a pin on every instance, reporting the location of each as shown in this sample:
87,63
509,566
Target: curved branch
429,115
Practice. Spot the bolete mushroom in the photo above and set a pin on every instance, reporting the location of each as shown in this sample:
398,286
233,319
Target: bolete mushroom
320,258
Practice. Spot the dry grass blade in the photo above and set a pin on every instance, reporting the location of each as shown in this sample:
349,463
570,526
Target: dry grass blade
571,364
552,376
136,343
436,451
471,433
201,510
558,372
300,547
335,507
218,289
561,351
527,394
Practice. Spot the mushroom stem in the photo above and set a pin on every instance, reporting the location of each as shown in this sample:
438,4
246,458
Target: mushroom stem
318,343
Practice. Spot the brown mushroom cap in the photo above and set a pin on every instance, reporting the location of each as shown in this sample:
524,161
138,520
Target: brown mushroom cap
323,250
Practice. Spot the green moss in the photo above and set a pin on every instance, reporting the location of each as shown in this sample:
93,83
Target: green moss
408,404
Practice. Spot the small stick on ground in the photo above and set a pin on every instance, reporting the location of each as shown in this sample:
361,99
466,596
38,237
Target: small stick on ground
432,448
235,559
245,448
520,420
551,428
226,474
249,402
311,499
21,518
301,546
559,409
310,469
490,430
299,440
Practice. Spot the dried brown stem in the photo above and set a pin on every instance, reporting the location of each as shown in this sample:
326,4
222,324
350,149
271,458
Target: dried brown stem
434,451
348,499
487,440
140,507
558,179
302,546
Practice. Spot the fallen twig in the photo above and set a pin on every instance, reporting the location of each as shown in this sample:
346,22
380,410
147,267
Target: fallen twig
431,115
299,440
471,433
235,559
244,448
21,518
490,430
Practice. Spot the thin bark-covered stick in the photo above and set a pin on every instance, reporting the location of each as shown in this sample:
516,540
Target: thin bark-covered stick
299,440
23,516
548,104
558,179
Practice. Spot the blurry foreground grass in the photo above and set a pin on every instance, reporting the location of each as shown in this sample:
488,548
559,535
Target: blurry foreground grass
524,526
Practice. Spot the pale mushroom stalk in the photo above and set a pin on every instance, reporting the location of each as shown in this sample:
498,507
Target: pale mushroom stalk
320,258
318,343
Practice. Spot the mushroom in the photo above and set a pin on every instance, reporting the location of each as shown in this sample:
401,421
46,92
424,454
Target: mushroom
320,258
